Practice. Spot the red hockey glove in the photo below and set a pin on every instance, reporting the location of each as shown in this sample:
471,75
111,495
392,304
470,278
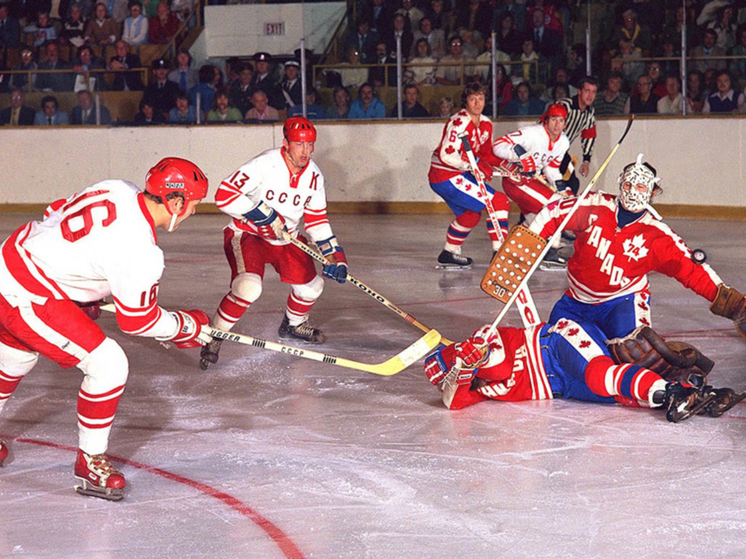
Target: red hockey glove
528,165
190,332
470,352
486,169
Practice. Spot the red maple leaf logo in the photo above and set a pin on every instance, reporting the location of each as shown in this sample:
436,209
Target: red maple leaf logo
459,181
584,344
643,306
573,331
562,324
450,150
645,322
457,122
609,197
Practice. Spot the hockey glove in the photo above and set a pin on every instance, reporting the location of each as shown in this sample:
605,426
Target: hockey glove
528,165
731,304
269,224
486,169
189,333
470,352
337,267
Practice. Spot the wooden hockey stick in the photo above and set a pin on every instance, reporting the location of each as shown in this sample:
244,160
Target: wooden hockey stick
526,306
396,364
364,288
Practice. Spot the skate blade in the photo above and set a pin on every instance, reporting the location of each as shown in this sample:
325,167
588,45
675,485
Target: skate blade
110,494
453,267
676,417
553,267
716,411
204,363
302,341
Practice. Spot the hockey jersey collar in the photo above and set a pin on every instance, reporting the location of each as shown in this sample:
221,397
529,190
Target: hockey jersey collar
148,217
294,179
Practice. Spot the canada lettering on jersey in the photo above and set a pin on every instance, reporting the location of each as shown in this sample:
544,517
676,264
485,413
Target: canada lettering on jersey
602,245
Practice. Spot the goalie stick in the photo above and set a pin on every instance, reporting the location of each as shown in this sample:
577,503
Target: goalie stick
396,364
364,288
526,306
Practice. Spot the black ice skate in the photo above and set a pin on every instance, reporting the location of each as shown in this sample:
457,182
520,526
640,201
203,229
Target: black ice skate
98,477
3,452
723,400
451,261
553,261
209,353
301,331
682,401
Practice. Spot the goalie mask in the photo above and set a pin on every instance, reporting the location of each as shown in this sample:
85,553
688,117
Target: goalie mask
637,183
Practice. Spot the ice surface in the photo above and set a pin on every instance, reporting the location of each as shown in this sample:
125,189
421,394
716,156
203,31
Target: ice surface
324,462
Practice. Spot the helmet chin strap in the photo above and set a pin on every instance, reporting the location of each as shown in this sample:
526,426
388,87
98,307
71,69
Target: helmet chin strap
172,223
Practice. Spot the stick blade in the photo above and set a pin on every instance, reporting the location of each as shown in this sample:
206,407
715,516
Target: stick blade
410,355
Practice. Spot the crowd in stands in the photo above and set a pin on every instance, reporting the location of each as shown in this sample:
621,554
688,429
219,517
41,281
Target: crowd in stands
441,42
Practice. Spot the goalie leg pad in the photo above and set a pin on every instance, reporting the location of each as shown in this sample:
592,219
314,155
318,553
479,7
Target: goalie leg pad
511,263
672,361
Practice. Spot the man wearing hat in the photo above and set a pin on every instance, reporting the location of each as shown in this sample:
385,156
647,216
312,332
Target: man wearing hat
291,84
161,93
264,80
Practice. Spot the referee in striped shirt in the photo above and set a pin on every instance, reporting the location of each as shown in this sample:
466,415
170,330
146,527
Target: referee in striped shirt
581,121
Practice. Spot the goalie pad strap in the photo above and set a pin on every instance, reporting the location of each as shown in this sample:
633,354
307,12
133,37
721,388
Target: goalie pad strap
512,262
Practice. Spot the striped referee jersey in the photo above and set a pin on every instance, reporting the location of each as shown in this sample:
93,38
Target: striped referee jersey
580,123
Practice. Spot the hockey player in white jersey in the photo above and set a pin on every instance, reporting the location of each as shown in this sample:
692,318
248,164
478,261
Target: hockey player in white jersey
98,243
267,198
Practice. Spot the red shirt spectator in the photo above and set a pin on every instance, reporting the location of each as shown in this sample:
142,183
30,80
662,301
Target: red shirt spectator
164,26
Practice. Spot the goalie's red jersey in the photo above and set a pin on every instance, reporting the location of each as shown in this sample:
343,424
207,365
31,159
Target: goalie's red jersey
610,262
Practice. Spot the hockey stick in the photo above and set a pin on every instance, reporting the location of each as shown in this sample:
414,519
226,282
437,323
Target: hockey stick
558,232
364,288
526,306
396,364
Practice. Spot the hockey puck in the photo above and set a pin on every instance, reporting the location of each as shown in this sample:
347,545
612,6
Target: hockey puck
699,256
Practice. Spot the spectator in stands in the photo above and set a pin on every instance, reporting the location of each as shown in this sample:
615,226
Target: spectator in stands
738,67
101,29
231,72
446,107
653,70
725,99
135,28
627,62
26,64
386,70
341,107
483,69
261,111
411,107
265,81
43,29
291,84
50,115
435,38
378,16
119,10
643,101
469,46
367,105
547,42
561,79
695,91
450,71
183,112
363,41
672,31
86,63
421,68
54,81
504,88
612,100
148,114
223,111
412,12
524,104
352,74
401,28
725,27
161,92
85,111
576,64
150,9
18,114
10,29
439,17
631,30
204,90
314,111
73,30
123,60
242,90
708,49
533,66
474,15
508,38
163,26
671,103
184,75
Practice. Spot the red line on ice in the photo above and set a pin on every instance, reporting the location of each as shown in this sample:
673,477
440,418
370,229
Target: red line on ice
286,545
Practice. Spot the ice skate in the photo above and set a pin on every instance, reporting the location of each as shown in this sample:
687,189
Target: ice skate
3,452
99,478
723,400
301,331
209,353
553,261
682,401
451,261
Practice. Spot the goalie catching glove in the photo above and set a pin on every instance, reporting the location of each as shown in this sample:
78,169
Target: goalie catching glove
528,165
269,224
190,332
336,269
472,352
731,304
671,360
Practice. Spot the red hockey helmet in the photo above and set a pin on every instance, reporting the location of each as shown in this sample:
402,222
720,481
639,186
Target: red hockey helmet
173,174
555,109
299,129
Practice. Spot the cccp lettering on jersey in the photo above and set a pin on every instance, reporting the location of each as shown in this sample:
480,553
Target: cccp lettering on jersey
282,197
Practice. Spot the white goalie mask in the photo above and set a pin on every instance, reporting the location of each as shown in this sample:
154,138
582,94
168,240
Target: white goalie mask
635,176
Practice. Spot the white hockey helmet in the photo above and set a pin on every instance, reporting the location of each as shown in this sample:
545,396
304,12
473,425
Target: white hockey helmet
634,175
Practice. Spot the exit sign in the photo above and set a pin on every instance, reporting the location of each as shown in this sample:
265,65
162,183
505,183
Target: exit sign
274,28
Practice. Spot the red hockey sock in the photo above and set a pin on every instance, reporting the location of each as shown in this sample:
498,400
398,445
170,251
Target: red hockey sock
460,228
231,309
297,308
7,385
606,378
